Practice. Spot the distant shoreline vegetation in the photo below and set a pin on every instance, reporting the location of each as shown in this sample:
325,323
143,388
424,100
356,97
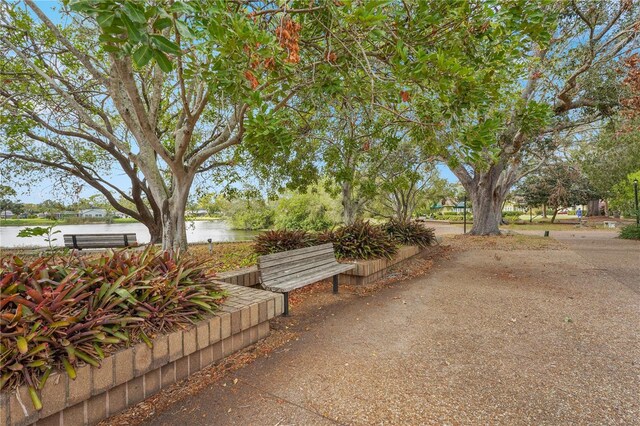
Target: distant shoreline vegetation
83,220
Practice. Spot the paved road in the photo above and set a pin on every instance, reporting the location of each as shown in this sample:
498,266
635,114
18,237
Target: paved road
488,337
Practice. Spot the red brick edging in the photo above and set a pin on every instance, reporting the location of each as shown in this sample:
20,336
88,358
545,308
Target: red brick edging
133,374
368,271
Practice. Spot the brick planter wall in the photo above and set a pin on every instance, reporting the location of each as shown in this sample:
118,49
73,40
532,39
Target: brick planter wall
133,374
247,277
368,271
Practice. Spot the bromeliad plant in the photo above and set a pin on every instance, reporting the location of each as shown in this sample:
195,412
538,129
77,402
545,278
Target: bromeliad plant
362,240
56,312
410,233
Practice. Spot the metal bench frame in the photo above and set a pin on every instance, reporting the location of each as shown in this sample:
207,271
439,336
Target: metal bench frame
288,270
84,241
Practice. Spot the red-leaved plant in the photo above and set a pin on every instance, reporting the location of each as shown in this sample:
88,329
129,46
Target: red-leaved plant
58,311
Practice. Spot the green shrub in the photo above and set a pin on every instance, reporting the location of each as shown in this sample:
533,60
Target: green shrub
251,215
61,311
39,231
282,240
513,215
361,241
630,232
410,233
309,211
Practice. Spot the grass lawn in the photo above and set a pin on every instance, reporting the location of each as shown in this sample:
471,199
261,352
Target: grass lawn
225,256
28,222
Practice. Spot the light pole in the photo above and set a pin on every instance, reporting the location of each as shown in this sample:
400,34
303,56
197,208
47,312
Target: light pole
635,191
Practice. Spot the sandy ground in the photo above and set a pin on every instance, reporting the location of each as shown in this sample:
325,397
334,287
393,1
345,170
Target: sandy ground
489,336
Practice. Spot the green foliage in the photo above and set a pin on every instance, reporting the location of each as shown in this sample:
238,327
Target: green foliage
457,217
58,312
251,214
362,240
6,204
407,179
126,30
631,232
559,184
308,211
611,156
622,198
513,215
39,231
282,240
410,233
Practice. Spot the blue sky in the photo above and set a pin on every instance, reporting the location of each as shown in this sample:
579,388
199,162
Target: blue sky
50,189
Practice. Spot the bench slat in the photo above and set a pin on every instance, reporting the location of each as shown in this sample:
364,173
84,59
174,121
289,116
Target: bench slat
301,280
99,240
296,267
296,260
326,272
267,263
287,254
102,235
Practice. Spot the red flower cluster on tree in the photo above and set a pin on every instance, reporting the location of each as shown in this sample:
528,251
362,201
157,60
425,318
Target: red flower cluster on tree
288,34
251,79
632,104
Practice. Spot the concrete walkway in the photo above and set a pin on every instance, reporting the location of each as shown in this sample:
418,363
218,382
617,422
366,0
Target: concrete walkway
488,337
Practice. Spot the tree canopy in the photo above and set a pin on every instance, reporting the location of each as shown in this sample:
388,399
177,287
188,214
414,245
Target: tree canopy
353,94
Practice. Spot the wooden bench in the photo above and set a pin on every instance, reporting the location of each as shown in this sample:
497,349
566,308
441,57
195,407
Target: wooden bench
87,241
288,270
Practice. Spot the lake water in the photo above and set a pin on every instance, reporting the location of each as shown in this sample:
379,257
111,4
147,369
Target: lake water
197,232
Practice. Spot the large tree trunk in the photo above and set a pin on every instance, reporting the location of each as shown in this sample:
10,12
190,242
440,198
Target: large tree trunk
403,206
174,233
173,202
488,190
487,210
350,206
555,213
593,208
174,226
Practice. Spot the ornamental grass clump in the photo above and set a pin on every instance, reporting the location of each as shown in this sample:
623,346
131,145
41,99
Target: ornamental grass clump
282,240
361,240
410,233
56,312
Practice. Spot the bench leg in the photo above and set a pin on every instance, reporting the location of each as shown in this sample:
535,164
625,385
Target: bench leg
335,284
286,304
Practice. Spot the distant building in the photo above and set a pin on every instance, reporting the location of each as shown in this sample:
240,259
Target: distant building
93,212
7,214
449,205
120,215
515,204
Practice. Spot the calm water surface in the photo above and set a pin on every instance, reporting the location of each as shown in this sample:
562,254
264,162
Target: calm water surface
197,232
